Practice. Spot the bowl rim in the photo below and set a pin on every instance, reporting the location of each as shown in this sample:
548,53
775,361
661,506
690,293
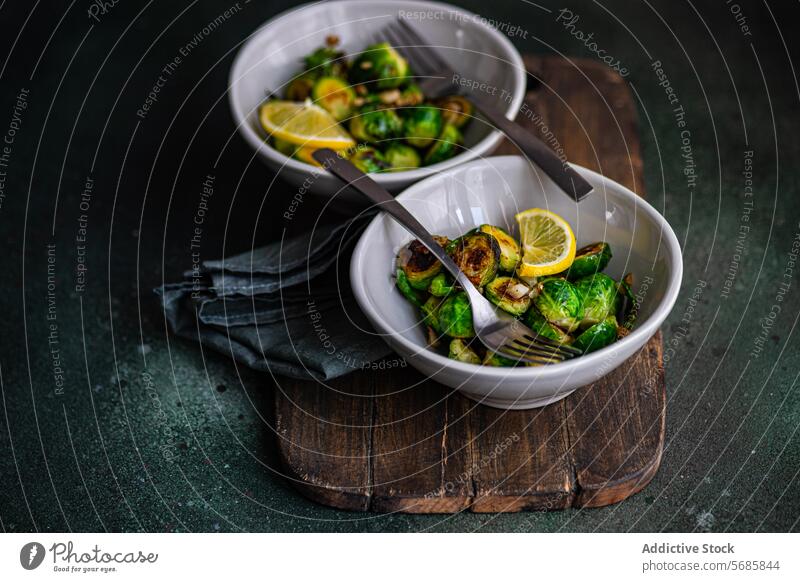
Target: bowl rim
480,149
640,334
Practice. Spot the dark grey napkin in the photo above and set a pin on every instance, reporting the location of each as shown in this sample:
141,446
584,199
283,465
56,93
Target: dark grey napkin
280,308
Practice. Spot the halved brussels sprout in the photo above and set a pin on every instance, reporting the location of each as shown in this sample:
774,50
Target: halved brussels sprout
431,313
407,291
509,294
456,110
589,260
628,306
441,285
326,61
381,66
284,147
455,316
374,125
299,88
448,145
369,160
537,322
432,337
461,351
478,255
558,300
598,336
421,125
419,264
494,359
410,96
599,298
509,248
402,157
335,96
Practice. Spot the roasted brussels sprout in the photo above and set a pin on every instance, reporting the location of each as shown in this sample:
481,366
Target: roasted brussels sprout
598,294
326,61
421,125
334,95
461,351
402,157
537,322
558,300
456,110
455,316
410,96
509,248
381,66
419,264
478,255
627,304
509,294
431,311
447,145
589,260
373,124
407,291
598,336
299,88
369,160
494,359
441,285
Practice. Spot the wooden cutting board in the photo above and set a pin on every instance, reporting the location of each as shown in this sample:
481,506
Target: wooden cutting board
378,441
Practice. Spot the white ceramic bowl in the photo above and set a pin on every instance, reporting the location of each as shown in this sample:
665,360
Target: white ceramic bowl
273,54
492,191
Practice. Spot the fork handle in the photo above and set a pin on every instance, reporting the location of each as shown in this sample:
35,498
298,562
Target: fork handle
535,150
358,180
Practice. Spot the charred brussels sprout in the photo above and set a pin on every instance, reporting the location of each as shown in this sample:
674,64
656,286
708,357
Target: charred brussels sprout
373,124
447,145
419,264
421,125
456,110
299,89
441,285
627,304
455,316
461,351
598,336
509,248
410,96
326,61
431,310
494,359
407,290
369,160
334,95
380,65
478,255
558,300
598,294
589,260
402,157
537,322
509,294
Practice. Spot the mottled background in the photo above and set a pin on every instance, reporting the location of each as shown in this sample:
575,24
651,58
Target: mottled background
88,455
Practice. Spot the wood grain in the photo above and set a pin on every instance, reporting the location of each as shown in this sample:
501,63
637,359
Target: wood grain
400,442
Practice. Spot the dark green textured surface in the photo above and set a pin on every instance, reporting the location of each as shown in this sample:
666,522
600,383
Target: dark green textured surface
193,451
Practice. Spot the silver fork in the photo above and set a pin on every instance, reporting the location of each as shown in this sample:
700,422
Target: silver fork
436,80
498,331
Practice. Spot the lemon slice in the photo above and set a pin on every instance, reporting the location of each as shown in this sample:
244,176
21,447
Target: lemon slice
548,244
303,124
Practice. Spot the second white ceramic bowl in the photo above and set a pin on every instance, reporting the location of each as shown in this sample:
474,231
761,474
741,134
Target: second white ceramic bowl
273,55
492,191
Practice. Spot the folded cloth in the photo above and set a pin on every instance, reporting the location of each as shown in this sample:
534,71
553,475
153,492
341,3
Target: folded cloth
279,308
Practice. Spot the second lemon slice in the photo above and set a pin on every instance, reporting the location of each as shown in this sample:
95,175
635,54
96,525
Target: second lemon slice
548,244
303,124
